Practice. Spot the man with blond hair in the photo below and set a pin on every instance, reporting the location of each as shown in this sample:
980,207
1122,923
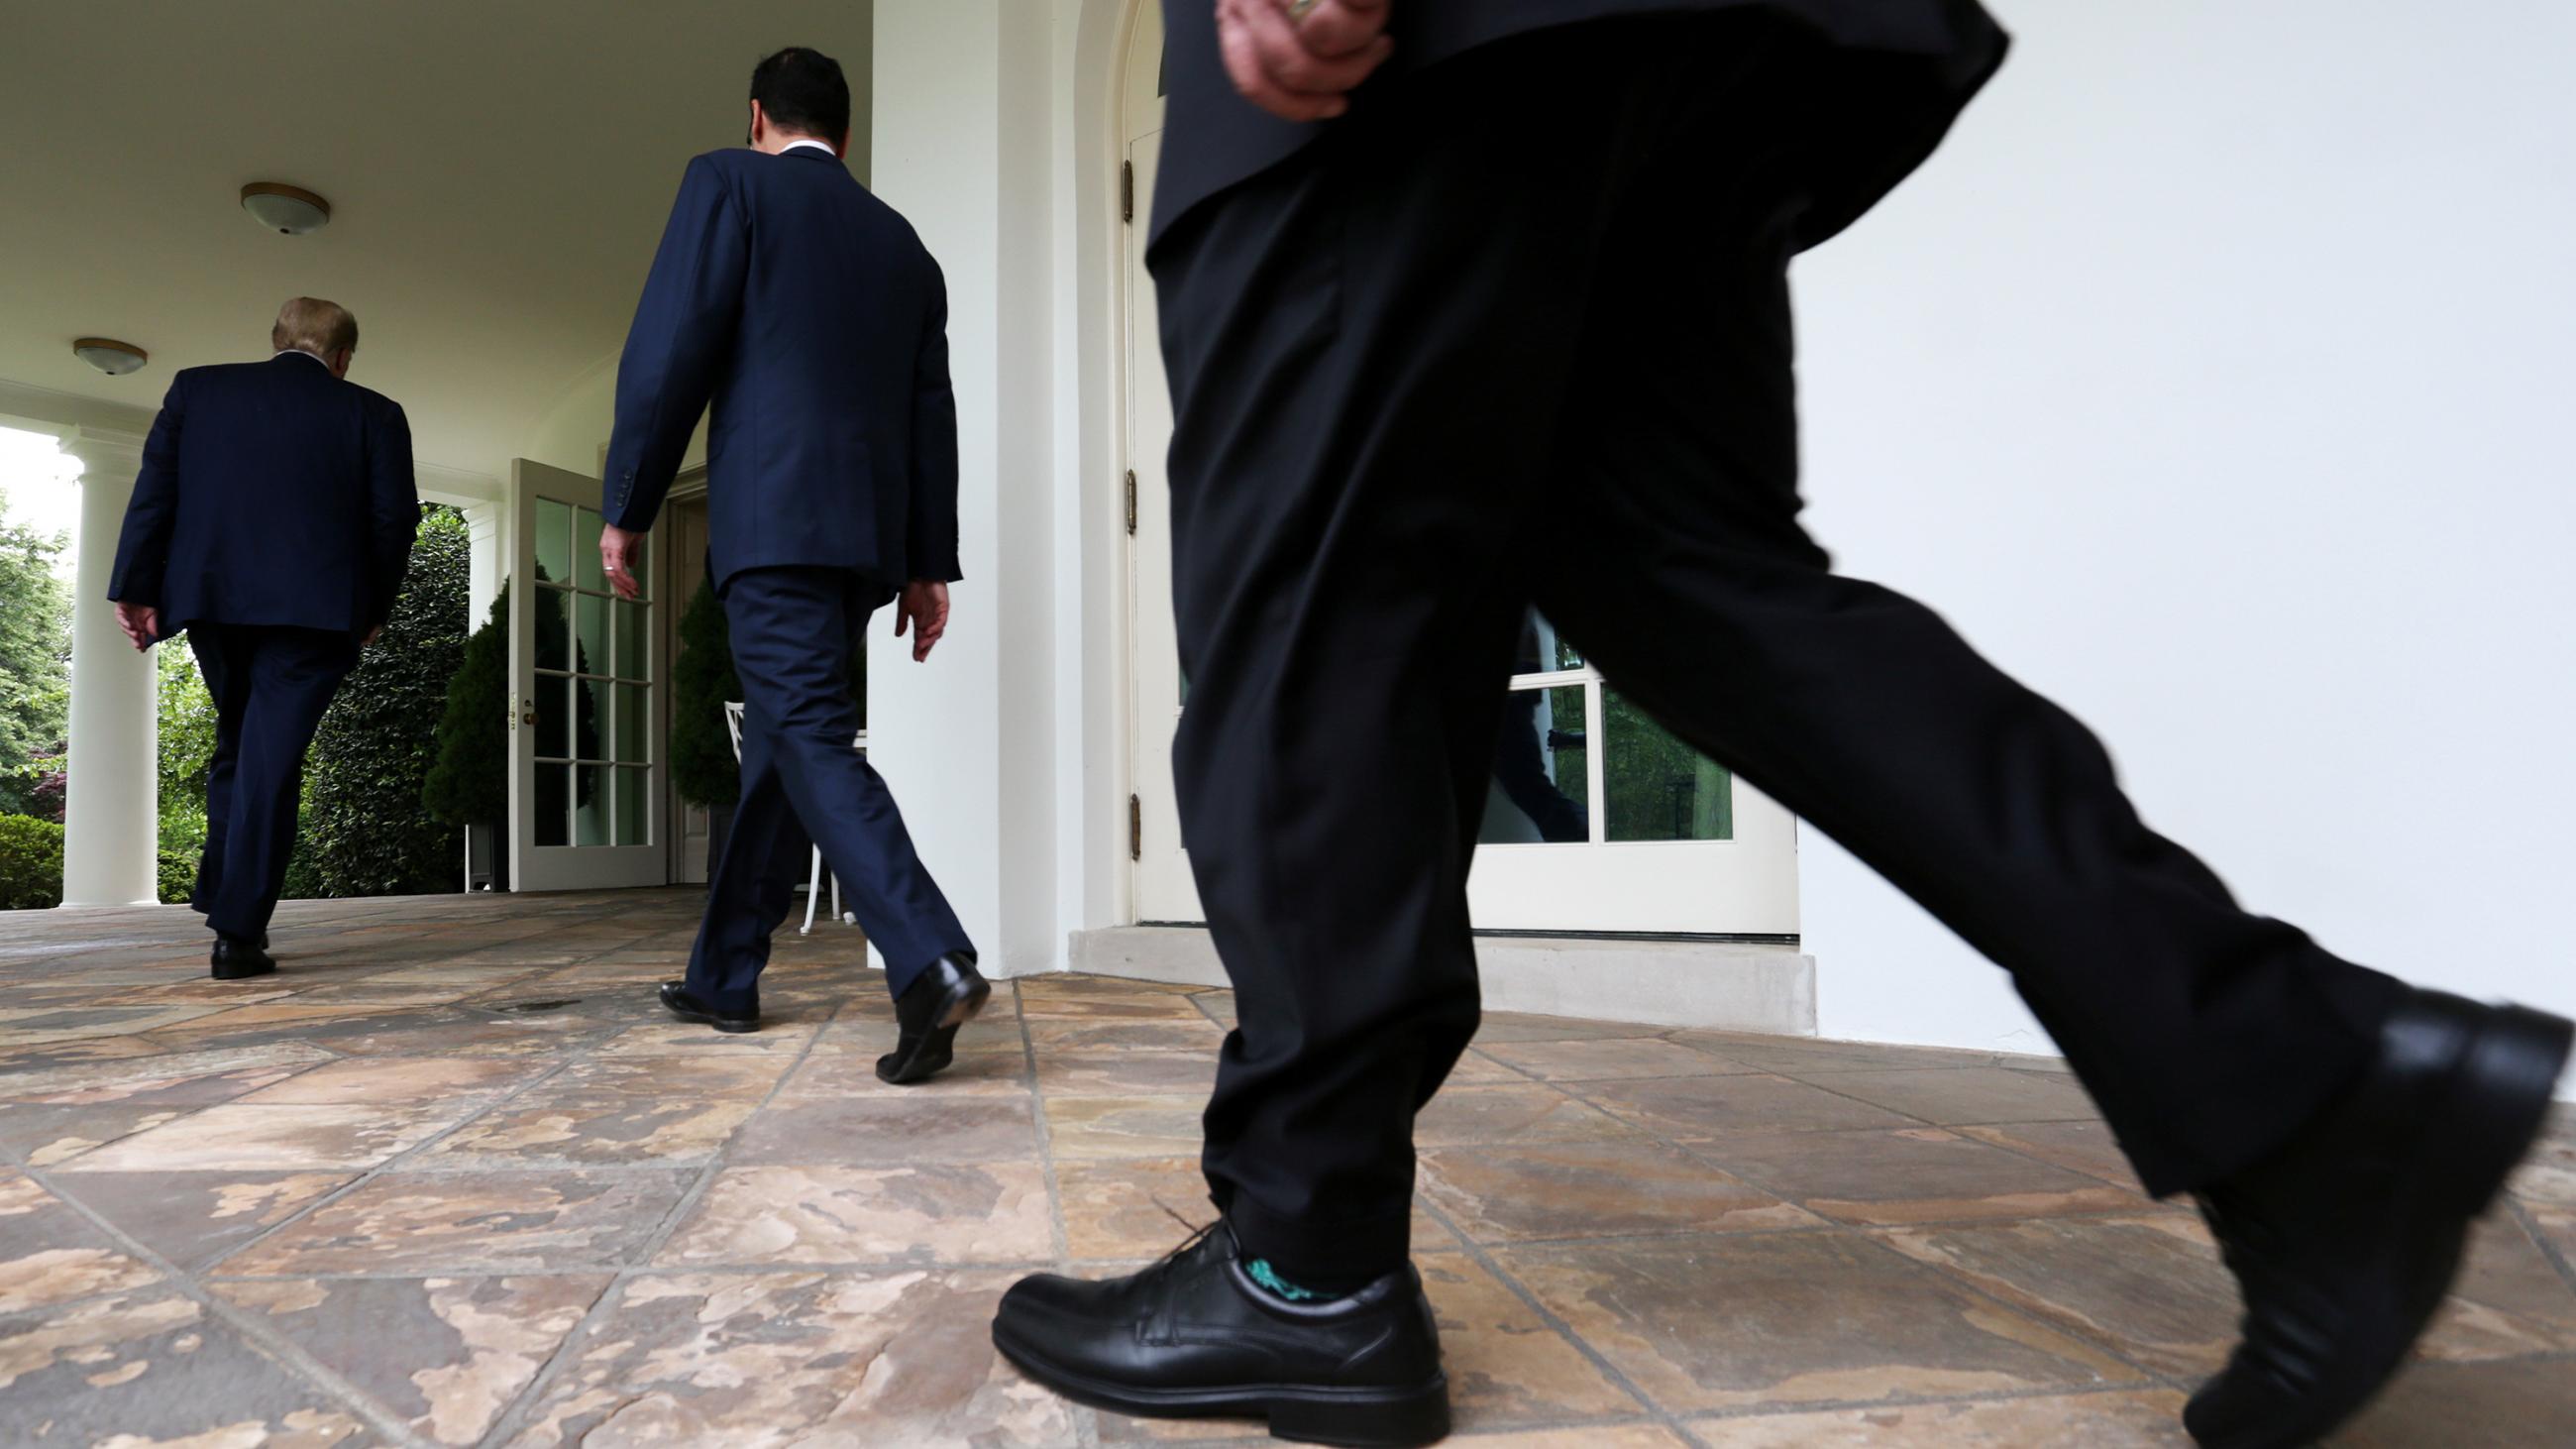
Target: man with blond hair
272,522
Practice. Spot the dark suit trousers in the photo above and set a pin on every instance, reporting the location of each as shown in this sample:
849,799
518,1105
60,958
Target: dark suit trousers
792,630
270,685
1520,337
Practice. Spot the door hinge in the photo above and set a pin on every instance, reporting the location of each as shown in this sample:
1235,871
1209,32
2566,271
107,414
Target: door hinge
1126,191
1135,828
1131,503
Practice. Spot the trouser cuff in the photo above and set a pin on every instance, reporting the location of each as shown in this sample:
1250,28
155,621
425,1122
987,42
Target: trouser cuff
1344,1248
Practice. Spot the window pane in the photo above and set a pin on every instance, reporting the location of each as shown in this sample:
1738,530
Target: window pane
1660,788
1540,788
632,822
589,729
554,540
554,805
585,551
631,720
551,699
633,623
591,638
554,628
590,809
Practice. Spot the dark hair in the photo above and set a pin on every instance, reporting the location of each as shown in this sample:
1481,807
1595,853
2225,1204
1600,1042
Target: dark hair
802,91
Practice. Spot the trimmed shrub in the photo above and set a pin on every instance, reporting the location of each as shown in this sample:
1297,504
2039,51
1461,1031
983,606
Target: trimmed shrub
470,784
702,681
31,864
364,832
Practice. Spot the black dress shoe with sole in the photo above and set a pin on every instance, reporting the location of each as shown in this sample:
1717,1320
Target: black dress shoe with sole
2346,1242
1195,1337
235,959
927,1016
689,1008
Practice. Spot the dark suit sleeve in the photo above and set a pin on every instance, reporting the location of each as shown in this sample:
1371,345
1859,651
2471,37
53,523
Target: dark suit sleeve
393,504
143,546
930,529
683,328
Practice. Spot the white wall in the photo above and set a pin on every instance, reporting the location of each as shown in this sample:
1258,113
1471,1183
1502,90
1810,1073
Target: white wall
2214,380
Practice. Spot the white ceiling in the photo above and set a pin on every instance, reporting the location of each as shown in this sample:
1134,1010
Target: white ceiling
498,174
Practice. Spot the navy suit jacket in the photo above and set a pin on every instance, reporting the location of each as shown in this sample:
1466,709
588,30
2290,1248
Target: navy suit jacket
811,316
1896,74
271,493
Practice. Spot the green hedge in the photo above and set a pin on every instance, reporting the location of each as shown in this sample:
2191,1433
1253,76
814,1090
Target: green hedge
31,863
365,833
178,876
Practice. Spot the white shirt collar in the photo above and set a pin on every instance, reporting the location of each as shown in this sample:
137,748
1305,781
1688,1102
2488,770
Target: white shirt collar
817,145
294,352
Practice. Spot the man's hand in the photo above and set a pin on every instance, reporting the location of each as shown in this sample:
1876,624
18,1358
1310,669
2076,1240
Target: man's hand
617,550
141,623
373,635
924,606
1300,59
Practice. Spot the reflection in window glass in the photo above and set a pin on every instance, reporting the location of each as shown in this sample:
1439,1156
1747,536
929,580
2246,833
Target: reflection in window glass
631,819
554,540
630,724
554,628
1541,650
592,635
1540,786
1658,787
590,812
554,805
590,712
632,621
585,552
554,716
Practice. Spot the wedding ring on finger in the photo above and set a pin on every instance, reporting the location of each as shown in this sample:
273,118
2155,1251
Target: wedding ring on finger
1299,9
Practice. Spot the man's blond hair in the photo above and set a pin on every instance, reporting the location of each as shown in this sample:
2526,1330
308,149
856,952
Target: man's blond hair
309,324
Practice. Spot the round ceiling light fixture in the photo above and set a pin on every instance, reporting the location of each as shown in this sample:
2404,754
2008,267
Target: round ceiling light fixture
114,358
290,209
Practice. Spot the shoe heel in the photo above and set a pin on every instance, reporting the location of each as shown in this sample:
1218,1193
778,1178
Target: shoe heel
2503,1094
963,1010
1402,1419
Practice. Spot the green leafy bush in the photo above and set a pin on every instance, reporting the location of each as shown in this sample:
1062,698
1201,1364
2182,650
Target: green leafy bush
470,783
364,831
702,681
178,875
31,864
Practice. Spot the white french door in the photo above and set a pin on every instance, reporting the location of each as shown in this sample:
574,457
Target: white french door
586,742
1596,818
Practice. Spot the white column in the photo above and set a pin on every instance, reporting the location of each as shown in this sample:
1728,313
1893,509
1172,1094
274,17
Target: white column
485,566
111,805
962,142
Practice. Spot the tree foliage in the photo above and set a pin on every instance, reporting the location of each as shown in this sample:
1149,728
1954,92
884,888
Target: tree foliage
35,647
365,832
31,864
470,783
187,748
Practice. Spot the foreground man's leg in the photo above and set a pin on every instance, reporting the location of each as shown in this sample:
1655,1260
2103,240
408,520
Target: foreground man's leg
2340,1129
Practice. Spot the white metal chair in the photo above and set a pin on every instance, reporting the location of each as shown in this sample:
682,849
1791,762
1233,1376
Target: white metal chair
814,876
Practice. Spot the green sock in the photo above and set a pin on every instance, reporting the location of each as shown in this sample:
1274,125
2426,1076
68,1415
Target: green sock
1268,1277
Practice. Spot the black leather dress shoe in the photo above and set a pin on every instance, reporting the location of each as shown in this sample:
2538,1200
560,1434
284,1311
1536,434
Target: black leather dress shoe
927,1016
235,959
2346,1243
1194,1337
689,1008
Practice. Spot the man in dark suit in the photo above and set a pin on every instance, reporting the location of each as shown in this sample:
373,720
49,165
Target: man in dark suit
812,317
1512,330
272,522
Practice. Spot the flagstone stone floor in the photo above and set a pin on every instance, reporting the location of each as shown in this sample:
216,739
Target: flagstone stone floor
451,1178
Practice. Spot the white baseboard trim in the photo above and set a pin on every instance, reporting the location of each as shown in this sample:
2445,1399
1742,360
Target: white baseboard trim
1712,984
